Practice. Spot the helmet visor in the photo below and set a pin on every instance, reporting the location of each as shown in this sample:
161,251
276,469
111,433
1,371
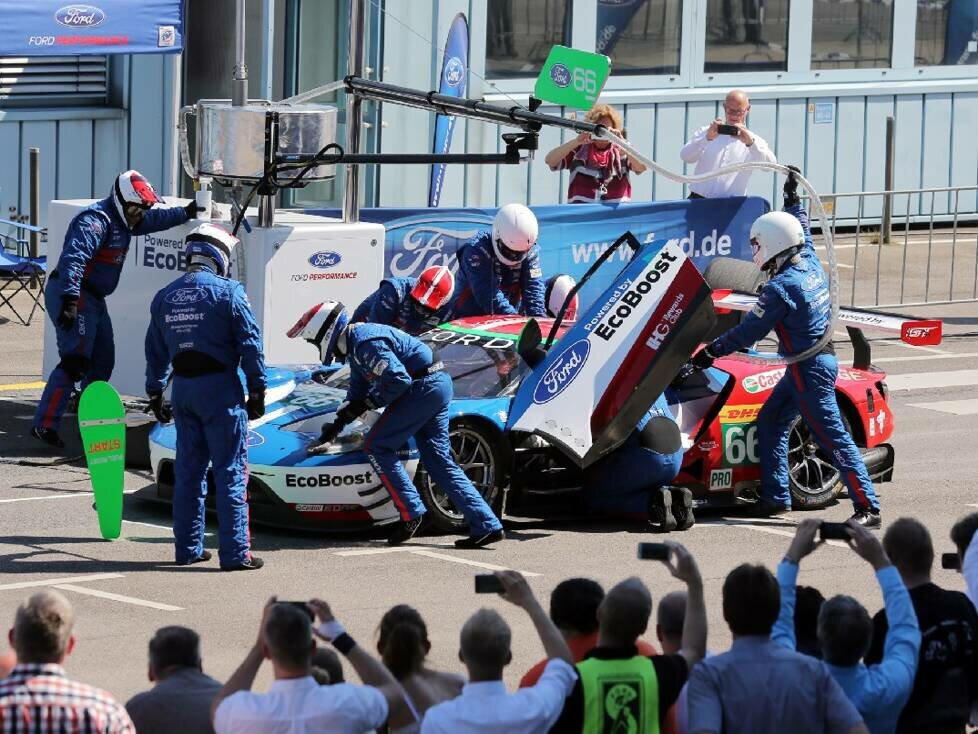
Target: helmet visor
509,253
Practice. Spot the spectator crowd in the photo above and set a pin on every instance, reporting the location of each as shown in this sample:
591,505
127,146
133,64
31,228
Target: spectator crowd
798,663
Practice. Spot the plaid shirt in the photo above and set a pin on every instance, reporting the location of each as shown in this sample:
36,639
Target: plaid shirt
39,699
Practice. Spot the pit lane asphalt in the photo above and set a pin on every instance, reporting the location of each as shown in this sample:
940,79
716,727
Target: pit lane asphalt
49,536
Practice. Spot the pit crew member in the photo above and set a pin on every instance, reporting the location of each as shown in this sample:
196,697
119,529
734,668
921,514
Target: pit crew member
88,271
413,305
796,304
391,369
499,271
202,325
555,292
634,479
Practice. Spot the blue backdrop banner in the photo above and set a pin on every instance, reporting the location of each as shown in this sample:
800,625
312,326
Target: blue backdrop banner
454,73
59,28
613,17
572,237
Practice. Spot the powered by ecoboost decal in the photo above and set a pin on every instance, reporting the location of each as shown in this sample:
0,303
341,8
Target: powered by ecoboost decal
633,296
162,253
323,479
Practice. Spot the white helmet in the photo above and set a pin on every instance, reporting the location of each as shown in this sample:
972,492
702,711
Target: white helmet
557,289
772,234
324,326
132,195
210,243
514,232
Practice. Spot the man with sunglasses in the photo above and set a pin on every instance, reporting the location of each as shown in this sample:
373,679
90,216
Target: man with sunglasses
413,305
88,271
499,271
795,303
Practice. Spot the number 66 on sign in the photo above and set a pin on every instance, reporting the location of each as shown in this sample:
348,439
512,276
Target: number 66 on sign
572,78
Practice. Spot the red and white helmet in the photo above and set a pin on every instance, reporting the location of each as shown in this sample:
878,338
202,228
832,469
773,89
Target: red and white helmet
434,288
557,289
133,191
324,326
514,232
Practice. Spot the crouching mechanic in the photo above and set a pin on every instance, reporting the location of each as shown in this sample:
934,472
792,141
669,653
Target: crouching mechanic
499,271
796,304
391,369
413,305
555,292
634,479
202,325
88,271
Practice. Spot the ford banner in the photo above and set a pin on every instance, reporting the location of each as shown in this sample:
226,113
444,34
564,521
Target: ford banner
59,28
454,73
572,237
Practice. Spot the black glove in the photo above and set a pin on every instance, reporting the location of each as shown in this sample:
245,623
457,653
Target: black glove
703,359
791,188
160,408
69,312
192,209
255,405
349,412
330,431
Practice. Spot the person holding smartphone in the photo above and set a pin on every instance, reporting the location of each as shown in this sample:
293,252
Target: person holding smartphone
722,143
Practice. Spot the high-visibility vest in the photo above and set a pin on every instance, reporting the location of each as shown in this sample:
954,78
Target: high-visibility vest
620,696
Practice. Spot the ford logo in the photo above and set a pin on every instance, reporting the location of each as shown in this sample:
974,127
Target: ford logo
454,71
186,296
325,259
79,16
254,439
562,372
560,75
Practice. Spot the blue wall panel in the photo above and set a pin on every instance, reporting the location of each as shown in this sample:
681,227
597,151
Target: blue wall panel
40,134
764,121
670,136
964,149
851,136
9,173
145,139
640,124
74,159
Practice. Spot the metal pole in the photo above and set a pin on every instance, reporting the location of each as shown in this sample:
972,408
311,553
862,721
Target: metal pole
35,184
239,86
354,112
888,183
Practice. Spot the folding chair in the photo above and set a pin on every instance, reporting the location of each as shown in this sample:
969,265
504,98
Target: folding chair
18,272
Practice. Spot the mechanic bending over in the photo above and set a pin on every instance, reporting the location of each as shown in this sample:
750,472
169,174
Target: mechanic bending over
634,478
796,304
88,270
202,325
391,369
413,305
499,271
555,292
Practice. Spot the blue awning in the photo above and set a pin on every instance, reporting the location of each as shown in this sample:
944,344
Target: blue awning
57,28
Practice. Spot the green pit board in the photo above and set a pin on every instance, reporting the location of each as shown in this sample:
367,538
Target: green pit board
572,78
102,421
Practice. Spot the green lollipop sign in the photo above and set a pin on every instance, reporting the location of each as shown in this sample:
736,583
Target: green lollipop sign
102,420
572,78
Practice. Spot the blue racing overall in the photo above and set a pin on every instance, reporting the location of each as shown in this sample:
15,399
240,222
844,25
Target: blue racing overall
487,287
392,304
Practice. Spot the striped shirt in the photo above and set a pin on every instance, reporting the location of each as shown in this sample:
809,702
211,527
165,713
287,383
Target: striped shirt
40,699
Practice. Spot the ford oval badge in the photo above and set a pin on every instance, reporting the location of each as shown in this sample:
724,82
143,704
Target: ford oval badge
562,372
186,296
79,16
325,259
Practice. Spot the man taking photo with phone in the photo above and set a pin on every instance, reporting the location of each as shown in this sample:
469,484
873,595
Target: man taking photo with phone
724,143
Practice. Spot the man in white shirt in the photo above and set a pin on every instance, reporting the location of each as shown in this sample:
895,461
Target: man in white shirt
485,705
721,144
295,703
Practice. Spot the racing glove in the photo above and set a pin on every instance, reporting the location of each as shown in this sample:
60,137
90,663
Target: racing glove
790,190
327,435
703,359
68,314
349,412
192,209
160,407
255,405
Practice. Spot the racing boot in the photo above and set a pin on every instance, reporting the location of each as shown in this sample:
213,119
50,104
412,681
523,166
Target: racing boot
867,518
48,436
202,558
661,519
252,563
480,541
404,531
682,508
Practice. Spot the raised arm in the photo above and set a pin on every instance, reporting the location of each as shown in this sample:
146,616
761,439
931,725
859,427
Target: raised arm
555,158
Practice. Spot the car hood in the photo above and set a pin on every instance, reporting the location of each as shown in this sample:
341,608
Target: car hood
598,381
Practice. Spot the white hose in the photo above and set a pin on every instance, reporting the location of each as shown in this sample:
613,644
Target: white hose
819,211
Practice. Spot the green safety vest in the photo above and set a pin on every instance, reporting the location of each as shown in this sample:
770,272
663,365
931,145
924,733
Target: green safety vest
620,696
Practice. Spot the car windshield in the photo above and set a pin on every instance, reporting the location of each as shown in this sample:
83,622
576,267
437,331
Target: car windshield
480,367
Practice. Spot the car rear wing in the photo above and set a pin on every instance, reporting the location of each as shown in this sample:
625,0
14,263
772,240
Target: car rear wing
916,332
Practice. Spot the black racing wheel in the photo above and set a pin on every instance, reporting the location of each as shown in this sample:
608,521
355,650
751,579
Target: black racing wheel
812,477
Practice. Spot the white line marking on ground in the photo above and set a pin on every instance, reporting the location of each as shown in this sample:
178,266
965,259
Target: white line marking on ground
932,350
930,380
955,407
54,582
58,496
118,597
467,562
927,358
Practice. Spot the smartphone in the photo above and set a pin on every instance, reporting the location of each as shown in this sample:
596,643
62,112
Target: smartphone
731,130
487,583
950,561
653,552
301,605
834,531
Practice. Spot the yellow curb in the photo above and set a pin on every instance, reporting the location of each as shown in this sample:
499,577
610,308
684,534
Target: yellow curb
23,386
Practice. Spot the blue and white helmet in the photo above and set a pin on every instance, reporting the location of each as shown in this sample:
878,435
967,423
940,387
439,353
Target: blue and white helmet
210,244
324,326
